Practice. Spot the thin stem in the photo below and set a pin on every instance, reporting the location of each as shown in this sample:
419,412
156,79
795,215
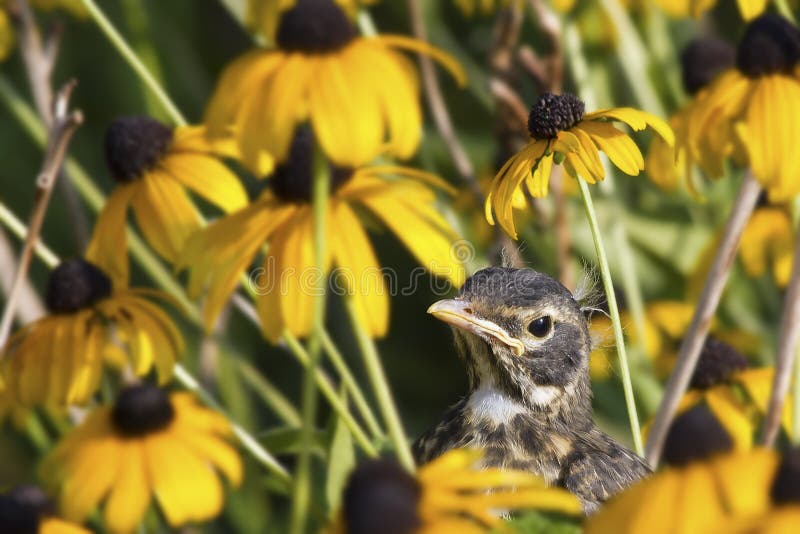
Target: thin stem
608,285
267,391
785,9
301,496
786,353
380,388
18,228
695,338
63,127
333,398
351,384
133,60
438,106
248,442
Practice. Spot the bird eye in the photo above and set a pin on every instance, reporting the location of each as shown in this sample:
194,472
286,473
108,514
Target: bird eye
541,326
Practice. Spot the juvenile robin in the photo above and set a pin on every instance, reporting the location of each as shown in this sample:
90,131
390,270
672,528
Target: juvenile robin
525,342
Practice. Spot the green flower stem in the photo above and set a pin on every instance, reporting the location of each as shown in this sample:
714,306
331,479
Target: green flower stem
133,60
248,441
785,9
632,56
19,229
380,387
608,284
267,391
301,496
329,392
351,384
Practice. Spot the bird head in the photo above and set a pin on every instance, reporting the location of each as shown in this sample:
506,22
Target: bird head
520,332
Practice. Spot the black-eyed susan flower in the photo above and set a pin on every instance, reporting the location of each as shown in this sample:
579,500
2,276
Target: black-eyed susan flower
26,510
282,217
747,110
447,496
360,94
148,445
59,359
153,166
561,132
767,244
754,492
701,61
736,395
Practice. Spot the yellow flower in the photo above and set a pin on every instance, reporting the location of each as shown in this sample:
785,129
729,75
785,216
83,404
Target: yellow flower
562,132
355,91
283,217
152,164
148,445
447,496
767,242
25,510
58,359
263,15
701,61
753,492
747,110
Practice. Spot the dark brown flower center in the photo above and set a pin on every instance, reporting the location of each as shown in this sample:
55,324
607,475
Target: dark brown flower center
694,435
703,59
292,180
717,363
314,26
76,284
141,410
381,497
786,486
771,45
134,145
22,508
554,113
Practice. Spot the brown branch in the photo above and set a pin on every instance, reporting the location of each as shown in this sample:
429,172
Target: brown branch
695,338
39,56
438,107
787,353
63,126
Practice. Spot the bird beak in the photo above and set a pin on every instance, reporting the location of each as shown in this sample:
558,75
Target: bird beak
459,313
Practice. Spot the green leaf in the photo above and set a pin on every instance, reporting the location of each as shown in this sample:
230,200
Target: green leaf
287,440
541,523
341,460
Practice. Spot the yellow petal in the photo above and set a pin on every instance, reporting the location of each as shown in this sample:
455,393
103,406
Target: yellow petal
636,119
207,177
446,60
130,494
358,273
619,148
750,9
732,415
108,248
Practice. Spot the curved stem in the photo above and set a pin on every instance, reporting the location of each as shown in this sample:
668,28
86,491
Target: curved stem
381,389
608,285
301,496
133,60
351,384
695,338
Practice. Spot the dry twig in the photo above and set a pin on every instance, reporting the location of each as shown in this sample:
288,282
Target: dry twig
39,57
787,353
438,107
64,124
692,344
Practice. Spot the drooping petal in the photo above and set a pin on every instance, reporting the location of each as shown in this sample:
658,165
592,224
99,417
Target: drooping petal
618,146
446,60
750,9
358,272
129,497
208,177
108,248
